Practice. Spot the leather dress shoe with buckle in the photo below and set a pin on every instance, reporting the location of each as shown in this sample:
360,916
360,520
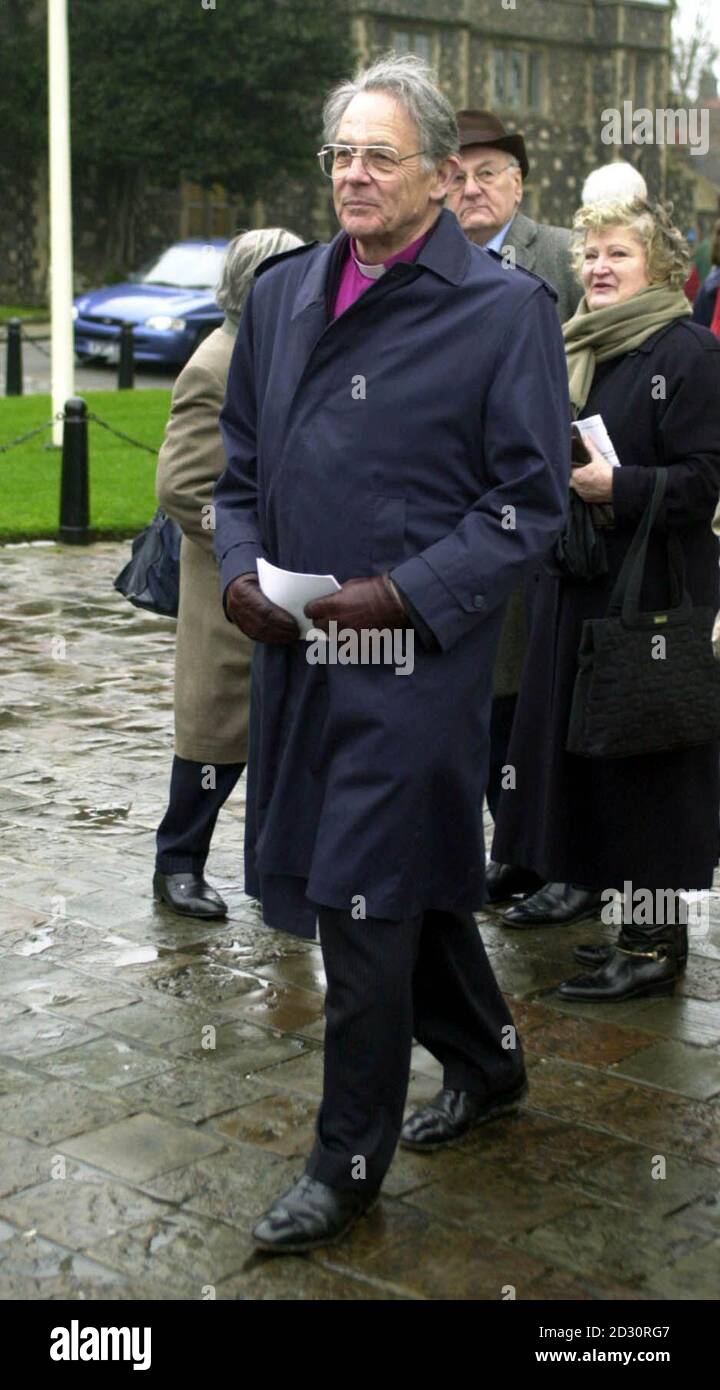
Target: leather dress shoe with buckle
452,1114
600,953
188,894
555,905
310,1214
636,970
503,880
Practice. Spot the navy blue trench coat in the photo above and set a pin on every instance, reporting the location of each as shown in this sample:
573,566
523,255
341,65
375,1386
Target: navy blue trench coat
426,432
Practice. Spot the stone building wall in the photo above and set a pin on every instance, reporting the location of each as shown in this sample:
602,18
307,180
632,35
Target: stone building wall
592,55
580,57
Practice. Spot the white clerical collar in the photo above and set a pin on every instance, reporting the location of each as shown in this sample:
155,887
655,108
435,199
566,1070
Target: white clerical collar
371,272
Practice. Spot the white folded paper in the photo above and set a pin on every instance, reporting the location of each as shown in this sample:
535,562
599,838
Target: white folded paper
594,428
292,591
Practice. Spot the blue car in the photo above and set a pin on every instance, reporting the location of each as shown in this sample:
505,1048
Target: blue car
169,302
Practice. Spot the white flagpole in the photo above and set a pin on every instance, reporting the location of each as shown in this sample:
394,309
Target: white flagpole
61,276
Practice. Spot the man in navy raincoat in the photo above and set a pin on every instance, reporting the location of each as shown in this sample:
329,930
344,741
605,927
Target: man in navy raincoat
397,416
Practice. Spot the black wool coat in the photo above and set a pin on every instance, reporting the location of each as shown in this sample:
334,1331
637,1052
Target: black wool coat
652,819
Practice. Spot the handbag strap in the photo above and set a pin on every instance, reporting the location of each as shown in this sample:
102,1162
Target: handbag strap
625,597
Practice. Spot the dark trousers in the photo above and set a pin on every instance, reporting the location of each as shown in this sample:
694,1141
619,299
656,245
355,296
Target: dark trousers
185,832
501,722
428,977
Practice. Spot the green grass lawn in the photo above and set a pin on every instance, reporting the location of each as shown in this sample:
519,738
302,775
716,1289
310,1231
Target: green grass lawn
21,311
122,478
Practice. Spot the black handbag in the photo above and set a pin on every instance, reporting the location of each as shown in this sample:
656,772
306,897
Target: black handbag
151,578
635,693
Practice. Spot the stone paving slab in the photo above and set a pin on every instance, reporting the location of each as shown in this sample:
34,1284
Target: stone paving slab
676,1066
188,1254
34,1268
140,1147
79,1209
159,1078
601,1242
49,1113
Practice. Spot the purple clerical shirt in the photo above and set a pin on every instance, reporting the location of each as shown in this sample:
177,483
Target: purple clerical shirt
353,282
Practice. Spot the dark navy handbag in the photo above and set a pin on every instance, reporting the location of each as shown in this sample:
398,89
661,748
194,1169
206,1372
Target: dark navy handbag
151,578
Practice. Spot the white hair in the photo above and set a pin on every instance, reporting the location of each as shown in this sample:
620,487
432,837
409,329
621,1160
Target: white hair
243,256
618,182
414,83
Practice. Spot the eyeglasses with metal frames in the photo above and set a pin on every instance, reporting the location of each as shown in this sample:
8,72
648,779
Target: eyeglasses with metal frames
380,161
484,178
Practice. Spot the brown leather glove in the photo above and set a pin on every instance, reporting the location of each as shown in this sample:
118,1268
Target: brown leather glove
360,603
255,615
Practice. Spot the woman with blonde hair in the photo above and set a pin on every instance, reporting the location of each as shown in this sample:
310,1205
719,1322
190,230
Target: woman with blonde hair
591,824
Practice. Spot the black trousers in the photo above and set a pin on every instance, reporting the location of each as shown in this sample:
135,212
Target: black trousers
428,977
501,722
184,834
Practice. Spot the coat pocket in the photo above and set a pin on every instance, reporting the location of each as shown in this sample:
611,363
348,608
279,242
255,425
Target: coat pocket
387,542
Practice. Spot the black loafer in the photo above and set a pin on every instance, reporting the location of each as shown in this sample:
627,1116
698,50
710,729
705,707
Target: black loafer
452,1114
310,1214
555,905
503,880
189,895
627,975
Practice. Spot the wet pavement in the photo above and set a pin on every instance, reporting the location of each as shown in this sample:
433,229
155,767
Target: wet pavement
159,1078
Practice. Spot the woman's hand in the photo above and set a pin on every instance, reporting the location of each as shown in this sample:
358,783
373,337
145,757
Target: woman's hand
593,481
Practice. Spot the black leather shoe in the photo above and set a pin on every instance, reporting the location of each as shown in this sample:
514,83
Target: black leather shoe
596,955
310,1214
555,905
452,1114
189,895
628,974
502,880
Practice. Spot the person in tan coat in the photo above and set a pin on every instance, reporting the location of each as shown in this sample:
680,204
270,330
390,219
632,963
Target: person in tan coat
212,657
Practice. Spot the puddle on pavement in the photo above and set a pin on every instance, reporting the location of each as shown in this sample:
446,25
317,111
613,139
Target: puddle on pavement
132,955
234,948
37,942
33,607
101,815
205,980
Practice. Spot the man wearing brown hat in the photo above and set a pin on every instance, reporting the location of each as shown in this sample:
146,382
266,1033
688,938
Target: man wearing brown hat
485,198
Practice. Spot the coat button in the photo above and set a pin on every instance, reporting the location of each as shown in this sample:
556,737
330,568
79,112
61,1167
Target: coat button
478,601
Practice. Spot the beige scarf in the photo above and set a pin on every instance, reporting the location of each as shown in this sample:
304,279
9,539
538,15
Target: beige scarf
595,335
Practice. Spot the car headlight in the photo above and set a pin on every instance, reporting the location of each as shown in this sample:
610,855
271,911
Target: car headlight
163,323
75,311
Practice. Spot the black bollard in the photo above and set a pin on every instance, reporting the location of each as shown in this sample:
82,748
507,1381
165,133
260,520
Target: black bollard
126,367
13,364
74,486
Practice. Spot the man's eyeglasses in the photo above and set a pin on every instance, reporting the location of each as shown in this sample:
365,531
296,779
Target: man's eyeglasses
381,161
484,178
